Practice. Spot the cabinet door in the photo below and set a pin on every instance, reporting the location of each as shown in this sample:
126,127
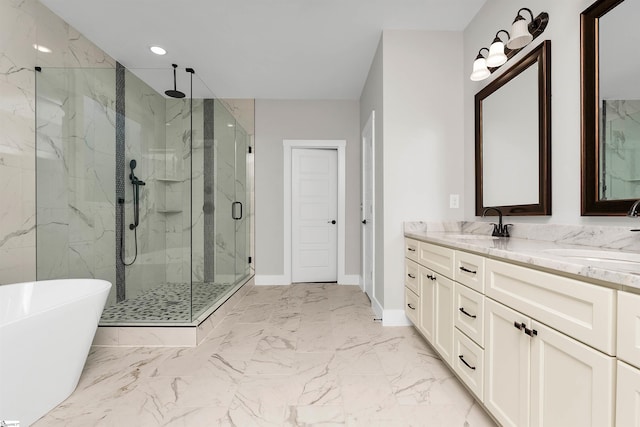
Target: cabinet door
427,304
444,318
629,328
506,353
628,396
571,384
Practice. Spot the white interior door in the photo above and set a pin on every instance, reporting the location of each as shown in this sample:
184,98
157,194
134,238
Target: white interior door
368,175
314,214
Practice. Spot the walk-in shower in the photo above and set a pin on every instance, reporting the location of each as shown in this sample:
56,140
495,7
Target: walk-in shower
143,188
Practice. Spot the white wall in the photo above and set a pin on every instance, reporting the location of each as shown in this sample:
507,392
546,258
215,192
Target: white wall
564,32
414,86
371,100
276,120
423,139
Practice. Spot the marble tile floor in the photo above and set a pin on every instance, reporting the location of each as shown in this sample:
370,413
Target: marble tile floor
169,302
299,355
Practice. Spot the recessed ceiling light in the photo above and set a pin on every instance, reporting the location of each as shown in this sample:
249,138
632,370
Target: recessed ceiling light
229,125
41,48
157,50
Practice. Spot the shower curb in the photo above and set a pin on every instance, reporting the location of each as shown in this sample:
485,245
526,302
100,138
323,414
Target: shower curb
188,335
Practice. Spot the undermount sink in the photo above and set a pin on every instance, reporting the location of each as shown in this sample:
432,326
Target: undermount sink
471,236
610,260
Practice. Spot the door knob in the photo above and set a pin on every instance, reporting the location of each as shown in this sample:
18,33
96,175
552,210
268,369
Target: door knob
333,221
364,221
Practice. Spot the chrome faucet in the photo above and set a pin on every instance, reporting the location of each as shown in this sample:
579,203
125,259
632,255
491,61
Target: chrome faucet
499,229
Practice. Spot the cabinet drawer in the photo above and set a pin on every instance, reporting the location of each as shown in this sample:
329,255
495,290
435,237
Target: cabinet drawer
412,276
468,363
627,396
411,249
411,306
629,328
437,258
469,270
580,310
469,312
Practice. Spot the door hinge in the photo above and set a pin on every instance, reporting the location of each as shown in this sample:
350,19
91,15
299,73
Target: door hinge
250,149
249,260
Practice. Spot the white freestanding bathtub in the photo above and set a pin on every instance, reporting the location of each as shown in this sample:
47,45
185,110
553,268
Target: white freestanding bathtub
46,330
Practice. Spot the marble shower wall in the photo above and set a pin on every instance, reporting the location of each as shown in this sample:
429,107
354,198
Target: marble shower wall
179,191
24,23
75,173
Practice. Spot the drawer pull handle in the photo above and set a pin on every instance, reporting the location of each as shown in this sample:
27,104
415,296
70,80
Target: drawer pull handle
518,325
411,276
431,277
411,307
473,316
530,332
466,270
465,362
411,249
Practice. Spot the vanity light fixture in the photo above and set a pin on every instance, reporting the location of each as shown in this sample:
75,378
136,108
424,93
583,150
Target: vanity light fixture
480,70
496,51
158,50
521,35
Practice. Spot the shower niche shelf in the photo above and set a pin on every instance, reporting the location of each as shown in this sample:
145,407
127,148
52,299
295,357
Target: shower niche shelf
169,211
169,180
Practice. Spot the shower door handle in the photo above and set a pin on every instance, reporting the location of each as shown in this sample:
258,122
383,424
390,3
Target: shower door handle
234,210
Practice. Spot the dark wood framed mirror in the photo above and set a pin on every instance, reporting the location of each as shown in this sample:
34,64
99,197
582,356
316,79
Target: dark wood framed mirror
513,138
610,108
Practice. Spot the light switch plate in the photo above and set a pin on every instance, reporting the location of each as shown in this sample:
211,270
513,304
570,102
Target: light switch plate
454,201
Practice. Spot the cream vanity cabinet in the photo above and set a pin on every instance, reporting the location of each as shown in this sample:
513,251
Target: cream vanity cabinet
537,349
433,314
628,384
537,376
547,339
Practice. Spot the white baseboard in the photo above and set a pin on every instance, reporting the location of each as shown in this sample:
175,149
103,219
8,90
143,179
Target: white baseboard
395,318
350,279
377,309
270,280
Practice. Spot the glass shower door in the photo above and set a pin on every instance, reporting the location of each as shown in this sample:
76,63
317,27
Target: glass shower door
241,218
225,241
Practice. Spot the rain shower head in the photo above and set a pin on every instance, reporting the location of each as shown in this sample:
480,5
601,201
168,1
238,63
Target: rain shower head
174,93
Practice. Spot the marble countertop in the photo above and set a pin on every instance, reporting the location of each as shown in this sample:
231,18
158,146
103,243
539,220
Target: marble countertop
540,254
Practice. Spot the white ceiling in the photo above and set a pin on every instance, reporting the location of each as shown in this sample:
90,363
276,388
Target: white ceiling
270,49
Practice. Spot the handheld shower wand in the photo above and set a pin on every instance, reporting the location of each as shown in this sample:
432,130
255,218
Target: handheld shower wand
136,182
136,195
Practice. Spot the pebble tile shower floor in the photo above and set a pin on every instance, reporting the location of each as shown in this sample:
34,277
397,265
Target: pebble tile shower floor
300,355
171,302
